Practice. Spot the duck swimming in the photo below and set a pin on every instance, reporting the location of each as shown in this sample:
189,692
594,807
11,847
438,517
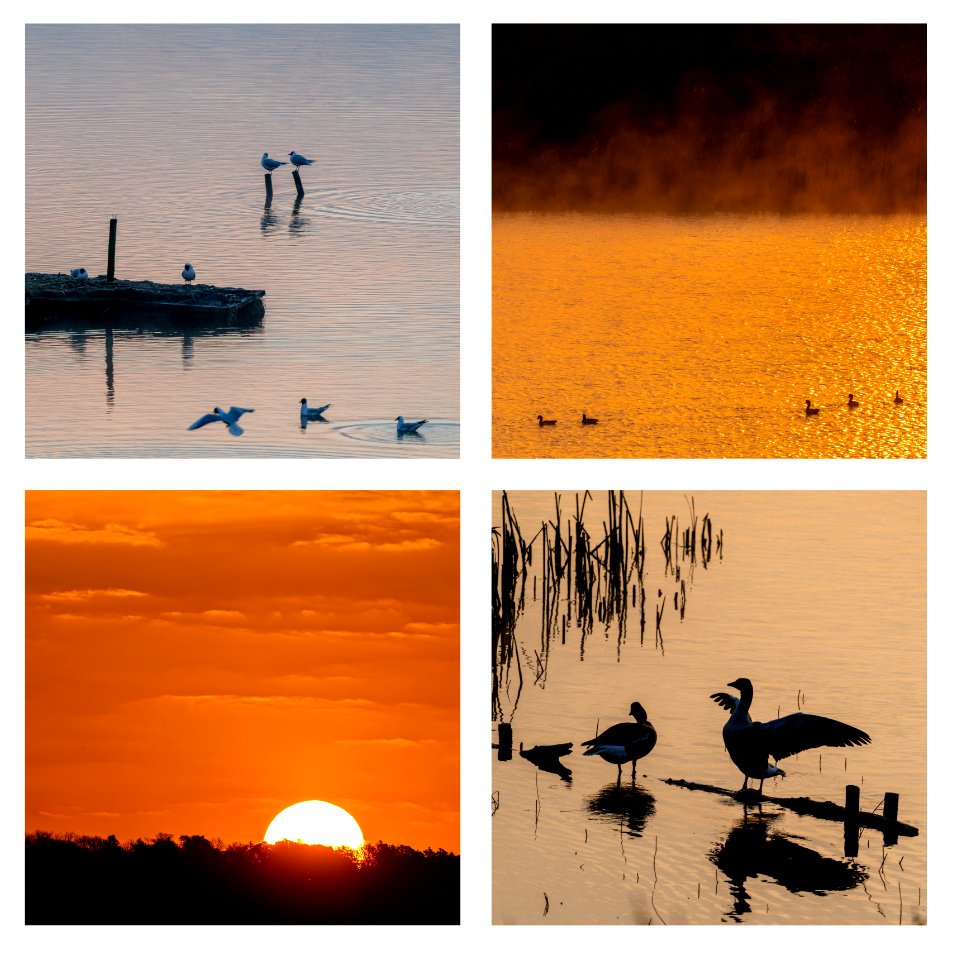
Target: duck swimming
810,411
546,423
897,397
625,741
749,744
851,402
588,421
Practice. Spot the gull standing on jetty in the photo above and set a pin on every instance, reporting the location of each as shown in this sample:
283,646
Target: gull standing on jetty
298,160
189,274
269,165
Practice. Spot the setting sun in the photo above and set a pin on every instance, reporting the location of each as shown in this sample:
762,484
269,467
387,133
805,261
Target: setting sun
315,821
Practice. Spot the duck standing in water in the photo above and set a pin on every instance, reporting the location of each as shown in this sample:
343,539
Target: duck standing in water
625,741
749,744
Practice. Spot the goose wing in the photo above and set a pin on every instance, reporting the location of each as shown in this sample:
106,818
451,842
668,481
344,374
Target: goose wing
789,735
725,700
619,734
204,419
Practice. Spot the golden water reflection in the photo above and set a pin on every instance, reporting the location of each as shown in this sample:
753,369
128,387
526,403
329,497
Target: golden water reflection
704,336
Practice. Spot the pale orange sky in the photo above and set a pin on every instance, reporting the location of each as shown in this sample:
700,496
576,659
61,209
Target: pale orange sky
197,661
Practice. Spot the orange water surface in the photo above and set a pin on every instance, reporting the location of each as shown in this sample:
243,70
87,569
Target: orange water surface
703,336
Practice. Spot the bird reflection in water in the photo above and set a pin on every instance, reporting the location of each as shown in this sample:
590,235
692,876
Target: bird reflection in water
547,758
297,222
752,849
305,421
630,807
269,220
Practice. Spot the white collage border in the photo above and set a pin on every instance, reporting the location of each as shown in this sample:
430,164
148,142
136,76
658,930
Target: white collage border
476,475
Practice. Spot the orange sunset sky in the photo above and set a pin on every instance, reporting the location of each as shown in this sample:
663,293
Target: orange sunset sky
197,661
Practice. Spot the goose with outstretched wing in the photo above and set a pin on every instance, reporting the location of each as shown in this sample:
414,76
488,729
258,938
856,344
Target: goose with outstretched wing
749,744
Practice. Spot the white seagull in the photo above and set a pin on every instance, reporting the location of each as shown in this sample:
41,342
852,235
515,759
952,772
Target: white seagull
311,413
749,744
189,274
79,273
229,417
298,160
403,428
270,165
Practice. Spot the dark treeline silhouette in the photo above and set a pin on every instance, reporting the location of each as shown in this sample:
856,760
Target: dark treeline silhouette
81,879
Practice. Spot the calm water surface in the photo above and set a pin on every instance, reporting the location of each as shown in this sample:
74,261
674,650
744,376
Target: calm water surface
704,336
164,127
820,595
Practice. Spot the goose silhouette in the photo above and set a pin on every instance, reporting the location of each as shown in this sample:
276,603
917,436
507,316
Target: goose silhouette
749,744
229,417
625,741
546,423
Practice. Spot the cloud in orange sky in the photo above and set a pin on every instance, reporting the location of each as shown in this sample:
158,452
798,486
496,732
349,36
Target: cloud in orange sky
268,647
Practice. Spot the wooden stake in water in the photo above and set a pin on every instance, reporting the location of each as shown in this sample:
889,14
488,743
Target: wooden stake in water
296,177
852,807
891,800
268,188
111,252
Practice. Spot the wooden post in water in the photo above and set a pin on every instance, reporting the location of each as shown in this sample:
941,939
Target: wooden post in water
268,188
852,808
891,801
296,177
111,252
505,741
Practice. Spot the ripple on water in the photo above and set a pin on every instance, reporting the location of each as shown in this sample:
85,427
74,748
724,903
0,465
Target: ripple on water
439,434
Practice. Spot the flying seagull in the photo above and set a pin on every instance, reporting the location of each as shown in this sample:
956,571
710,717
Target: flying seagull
189,274
311,413
270,165
229,417
749,744
298,160
403,428
625,741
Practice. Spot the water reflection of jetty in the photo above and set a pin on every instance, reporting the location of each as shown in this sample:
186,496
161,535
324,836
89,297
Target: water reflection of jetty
583,583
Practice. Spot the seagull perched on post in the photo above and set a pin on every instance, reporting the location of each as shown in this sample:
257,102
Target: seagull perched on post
625,741
229,417
269,165
189,274
749,744
298,160
402,428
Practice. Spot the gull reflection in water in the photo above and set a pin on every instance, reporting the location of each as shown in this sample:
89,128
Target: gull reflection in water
752,848
297,222
268,221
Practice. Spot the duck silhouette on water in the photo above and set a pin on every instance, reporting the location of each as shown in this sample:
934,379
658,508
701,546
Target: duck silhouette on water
625,741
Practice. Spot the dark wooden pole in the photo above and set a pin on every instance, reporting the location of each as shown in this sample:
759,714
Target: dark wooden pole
852,808
268,188
891,801
296,177
505,741
111,252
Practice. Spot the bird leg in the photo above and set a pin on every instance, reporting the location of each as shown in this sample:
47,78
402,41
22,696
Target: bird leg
619,775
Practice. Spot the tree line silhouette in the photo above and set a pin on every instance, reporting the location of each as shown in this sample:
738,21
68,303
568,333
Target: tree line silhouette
82,879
